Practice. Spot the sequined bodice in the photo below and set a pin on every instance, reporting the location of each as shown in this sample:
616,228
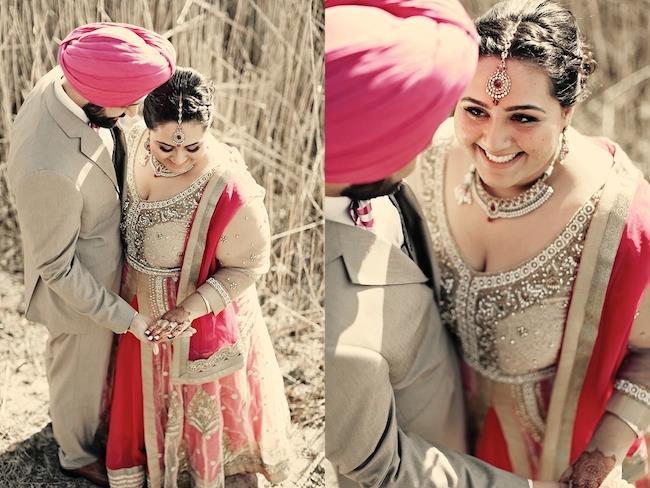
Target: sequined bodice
509,324
155,232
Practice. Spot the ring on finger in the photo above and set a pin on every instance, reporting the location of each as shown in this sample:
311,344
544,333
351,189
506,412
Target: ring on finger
173,326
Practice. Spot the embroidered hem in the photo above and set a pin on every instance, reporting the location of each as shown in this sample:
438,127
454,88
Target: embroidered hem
127,477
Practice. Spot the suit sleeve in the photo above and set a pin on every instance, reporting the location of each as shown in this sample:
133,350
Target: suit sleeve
49,210
365,444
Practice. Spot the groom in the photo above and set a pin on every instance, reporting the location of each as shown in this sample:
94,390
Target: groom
394,69
65,170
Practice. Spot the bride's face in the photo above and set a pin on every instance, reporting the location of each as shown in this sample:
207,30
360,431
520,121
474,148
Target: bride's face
178,158
512,143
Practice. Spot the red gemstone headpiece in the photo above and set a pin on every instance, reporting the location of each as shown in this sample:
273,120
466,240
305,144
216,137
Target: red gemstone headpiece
498,85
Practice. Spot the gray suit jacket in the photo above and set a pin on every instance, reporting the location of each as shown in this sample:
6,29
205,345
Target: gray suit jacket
67,199
393,391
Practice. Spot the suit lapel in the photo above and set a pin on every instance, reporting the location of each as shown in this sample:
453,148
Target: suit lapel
370,260
91,145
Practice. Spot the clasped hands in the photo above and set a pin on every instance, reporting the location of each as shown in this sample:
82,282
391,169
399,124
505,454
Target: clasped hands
173,324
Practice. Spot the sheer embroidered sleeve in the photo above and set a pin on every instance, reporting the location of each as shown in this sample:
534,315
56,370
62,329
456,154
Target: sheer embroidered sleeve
631,399
243,253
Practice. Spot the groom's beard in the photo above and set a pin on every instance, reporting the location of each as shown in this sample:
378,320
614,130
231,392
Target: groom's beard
366,191
96,115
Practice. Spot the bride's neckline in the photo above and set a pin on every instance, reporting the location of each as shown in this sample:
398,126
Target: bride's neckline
531,262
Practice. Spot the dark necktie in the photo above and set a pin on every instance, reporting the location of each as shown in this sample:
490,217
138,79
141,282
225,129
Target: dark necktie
416,231
407,246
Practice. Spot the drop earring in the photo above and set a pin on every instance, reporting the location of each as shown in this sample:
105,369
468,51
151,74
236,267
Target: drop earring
147,156
564,147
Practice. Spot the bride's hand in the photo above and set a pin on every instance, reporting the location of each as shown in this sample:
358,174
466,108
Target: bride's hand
593,469
174,323
599,466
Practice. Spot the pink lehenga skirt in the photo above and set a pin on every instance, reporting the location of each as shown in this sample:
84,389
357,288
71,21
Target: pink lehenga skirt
163,432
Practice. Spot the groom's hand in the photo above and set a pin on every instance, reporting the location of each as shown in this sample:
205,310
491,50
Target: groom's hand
548,484
139,325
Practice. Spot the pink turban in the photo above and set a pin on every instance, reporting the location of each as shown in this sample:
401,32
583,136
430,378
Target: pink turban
393,71
113,65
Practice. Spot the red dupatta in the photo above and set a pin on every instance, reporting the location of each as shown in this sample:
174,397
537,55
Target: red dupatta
215,331
215,349
628,281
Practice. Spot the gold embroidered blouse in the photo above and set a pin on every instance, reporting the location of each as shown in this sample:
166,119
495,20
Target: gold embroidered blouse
155,234
509,325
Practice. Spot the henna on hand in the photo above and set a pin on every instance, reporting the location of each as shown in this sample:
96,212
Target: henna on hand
178,330
178,315
178,319
591,468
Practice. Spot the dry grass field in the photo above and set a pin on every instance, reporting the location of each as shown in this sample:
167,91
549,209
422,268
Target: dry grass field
265,58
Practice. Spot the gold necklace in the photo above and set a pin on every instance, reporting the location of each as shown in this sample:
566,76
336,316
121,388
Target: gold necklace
159,169
509,208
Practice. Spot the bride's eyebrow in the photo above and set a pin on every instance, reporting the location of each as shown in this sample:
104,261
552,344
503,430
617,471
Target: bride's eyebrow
174,145
473,100
514,108
524,107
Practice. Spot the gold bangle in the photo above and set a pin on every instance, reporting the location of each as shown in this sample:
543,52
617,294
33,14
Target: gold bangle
207,304
633,427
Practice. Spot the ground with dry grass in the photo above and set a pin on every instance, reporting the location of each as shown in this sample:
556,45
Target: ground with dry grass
265,59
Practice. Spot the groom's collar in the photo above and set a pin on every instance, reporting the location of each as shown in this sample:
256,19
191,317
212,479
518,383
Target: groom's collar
91,144
369,260
65,99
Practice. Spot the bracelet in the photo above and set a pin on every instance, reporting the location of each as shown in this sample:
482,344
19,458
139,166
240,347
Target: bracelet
205,300
632,390
635,429
220,290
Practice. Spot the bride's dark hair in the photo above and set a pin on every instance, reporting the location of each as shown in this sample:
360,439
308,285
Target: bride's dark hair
547,34
161,105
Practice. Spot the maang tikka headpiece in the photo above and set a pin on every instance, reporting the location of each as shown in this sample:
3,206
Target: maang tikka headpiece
179,136
499,84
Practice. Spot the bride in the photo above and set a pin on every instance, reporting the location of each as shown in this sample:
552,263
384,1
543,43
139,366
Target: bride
206,401
542,238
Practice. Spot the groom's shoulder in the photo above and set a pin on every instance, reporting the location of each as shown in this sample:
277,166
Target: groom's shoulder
37,142
360,307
